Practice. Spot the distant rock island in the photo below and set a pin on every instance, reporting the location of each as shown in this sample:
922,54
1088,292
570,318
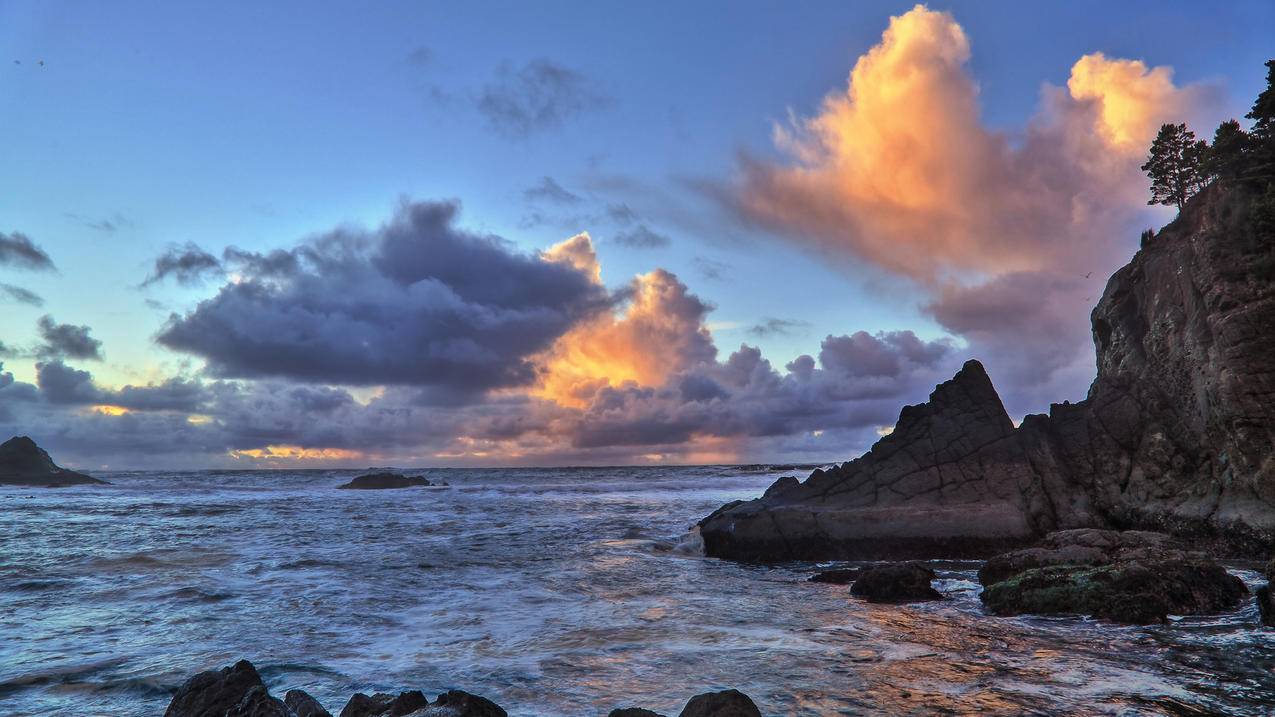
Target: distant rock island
1176,435
385,481
22,462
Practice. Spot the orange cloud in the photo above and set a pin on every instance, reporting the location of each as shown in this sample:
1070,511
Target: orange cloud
899,170
296,453
659,331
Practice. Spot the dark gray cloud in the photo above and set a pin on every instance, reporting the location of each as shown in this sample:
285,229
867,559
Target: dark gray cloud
20,295
19,251
711,269
420,57
66,340
417,301
772,326
621,213
540,95
187,264
548,190
641,237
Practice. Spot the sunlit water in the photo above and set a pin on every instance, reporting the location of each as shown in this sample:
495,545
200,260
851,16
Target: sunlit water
552,592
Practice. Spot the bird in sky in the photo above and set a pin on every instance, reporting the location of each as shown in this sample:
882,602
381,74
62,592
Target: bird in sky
40,63
1089,274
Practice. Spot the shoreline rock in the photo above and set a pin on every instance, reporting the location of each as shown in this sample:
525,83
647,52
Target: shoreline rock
896,583
22,462
385,481
238,691
1131,577
1177,434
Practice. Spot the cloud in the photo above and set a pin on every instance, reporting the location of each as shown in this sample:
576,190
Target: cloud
108,225
21,295
897,170
642,237
711,269
416,301
66,340
772,326
420,57
17,250
549,190
539,96
187,264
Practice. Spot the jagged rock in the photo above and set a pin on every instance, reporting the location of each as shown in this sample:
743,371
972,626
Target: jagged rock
898,582
1177,433
781,485
727,703
457,703
303,705
385,481
1133,576
363,705
22,462
1266,605
633,712
839,576
235,691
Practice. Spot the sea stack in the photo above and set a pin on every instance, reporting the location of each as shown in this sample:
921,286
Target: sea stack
22,462
1176,435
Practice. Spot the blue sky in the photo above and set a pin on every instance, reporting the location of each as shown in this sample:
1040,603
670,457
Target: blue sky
257,125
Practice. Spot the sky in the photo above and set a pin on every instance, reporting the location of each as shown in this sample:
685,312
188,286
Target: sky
283,234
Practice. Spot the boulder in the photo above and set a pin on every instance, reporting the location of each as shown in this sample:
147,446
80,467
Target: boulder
727,703
385,481
897,582
838,576
22,462
1133,576
1266,605
235,691
782,485
633,712
303,705
457,703
1176,435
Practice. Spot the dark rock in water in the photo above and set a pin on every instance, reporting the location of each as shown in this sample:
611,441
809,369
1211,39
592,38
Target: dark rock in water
303,705
385,481
1134,577
1177,433
633,712
456,703
361,705
839,576
1269,571
1266,605
728,703
1085,546
235,691
898,582
783,484
22,462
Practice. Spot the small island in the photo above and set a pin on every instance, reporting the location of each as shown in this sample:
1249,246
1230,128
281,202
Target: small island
22,462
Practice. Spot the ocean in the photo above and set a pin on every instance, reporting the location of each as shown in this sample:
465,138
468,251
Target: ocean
564,592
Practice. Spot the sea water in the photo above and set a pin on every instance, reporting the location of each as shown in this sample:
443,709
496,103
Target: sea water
550,591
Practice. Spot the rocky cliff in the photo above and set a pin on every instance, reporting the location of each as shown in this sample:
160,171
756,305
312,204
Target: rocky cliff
1177,433
22,462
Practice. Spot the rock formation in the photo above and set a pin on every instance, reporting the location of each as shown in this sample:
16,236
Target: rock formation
22,462
1177,433
1133,577
896,582
385,481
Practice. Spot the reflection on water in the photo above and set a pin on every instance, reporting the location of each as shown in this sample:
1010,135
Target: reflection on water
552,592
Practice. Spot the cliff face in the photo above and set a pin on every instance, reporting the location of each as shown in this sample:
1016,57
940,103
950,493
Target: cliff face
1177,433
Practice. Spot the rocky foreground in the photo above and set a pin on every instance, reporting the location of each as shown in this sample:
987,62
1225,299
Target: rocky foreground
238,691
1177,434
22,462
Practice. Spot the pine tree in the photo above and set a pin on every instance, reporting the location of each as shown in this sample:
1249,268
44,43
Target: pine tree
1174,165
1262,152
1227,157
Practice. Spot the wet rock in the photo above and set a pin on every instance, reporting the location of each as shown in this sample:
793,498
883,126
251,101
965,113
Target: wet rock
1177,433
385,481
1266,605
235,691
633,712
898,582
838,576
727,703
303,705
457,703
22,462
783,484
1129,577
